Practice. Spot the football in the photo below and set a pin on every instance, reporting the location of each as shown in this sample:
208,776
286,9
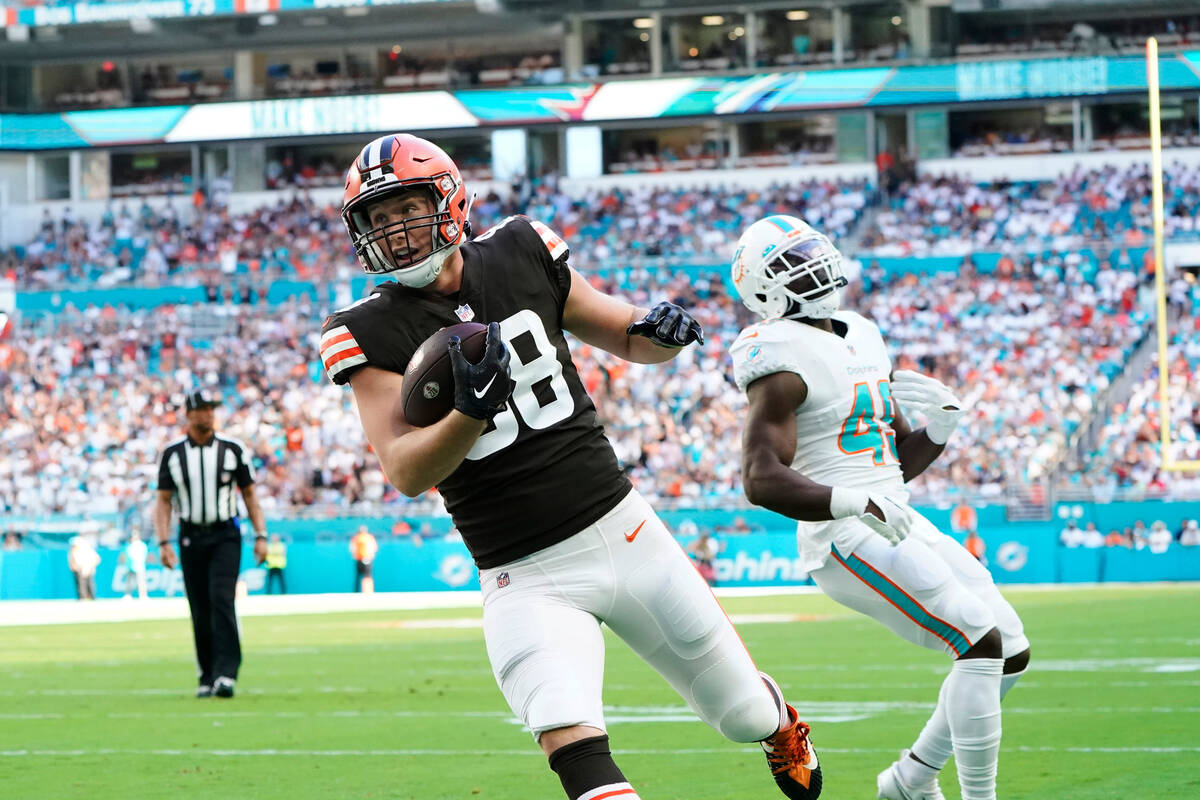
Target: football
429,382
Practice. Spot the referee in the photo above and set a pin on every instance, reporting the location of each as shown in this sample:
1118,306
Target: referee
200,472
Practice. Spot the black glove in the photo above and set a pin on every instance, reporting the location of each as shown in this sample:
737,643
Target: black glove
668,325
481,390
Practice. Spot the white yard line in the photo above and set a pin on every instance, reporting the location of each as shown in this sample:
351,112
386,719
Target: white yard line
813,712
532,751
63,612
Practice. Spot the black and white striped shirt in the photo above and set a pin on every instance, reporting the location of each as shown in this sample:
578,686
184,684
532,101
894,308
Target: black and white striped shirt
205,478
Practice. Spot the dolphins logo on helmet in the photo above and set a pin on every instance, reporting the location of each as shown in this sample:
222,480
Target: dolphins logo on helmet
784,268
387,167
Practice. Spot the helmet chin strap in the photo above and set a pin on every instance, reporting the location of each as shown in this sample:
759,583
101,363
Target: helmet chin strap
421,275
823,308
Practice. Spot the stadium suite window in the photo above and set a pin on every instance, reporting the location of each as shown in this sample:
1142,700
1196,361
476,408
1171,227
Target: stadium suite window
54,177
617,46
159,172
878,32
1126,126
795,36
704,41
664,149
807,140
1012,131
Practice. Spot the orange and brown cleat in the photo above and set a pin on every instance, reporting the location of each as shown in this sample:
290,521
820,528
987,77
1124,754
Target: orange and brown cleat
793,761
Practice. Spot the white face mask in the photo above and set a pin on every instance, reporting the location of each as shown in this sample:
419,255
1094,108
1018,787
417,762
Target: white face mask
817,261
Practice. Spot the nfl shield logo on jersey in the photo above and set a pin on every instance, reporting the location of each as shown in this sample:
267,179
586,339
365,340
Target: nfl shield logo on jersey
465,313
502,580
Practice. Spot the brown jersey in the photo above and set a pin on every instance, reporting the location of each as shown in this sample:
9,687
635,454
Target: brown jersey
543,469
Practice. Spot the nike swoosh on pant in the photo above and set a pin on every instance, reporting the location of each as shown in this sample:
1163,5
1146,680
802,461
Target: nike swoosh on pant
629,537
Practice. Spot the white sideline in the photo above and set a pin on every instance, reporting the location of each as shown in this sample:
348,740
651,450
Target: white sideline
62,612
65,612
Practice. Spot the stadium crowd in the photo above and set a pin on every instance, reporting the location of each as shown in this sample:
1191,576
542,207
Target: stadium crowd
91,394
298,238
1157,538
951,215
1128,451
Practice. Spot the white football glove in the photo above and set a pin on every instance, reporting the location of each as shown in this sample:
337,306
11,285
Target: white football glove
931,398
897,515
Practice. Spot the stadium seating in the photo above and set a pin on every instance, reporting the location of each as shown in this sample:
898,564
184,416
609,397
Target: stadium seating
1128,450
1033,338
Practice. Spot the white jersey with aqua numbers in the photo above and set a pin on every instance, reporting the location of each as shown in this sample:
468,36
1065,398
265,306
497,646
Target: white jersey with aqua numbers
844,434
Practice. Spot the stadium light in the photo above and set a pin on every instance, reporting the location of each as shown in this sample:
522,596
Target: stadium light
798,15
896,21
267,20
643,22
712,19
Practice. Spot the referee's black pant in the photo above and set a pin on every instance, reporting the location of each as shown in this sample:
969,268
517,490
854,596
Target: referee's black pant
211,558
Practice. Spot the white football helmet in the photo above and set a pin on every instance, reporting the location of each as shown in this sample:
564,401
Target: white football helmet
774,257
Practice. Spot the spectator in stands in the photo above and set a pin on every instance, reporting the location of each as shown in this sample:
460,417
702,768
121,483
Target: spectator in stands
133,558
83,559
976,546
1092,538
363,548
12,541
1117,539
1189,536
703,551
1072,535
276,563
1160,537
1140,535
964,518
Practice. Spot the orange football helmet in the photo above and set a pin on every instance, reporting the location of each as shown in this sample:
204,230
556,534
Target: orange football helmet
391,165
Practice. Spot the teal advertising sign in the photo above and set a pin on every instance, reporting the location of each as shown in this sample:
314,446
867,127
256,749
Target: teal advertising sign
118,11
634,99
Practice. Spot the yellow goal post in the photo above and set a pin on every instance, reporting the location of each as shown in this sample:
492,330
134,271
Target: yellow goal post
1160,282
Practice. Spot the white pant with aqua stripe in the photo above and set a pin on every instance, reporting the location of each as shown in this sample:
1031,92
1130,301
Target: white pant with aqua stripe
927,589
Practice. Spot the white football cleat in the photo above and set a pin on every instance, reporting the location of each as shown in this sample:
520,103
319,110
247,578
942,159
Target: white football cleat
892,787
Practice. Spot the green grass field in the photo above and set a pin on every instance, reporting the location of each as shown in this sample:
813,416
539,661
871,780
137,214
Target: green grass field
365,706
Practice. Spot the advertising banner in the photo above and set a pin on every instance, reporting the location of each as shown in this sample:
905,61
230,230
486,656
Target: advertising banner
118,11
632,99
745,561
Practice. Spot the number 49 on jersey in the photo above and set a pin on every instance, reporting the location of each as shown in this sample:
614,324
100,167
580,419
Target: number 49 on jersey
862,431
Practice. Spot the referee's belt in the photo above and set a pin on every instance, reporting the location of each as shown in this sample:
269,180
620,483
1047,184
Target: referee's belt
207,527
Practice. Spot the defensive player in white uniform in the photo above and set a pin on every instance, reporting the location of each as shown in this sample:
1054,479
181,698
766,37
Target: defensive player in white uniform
826,444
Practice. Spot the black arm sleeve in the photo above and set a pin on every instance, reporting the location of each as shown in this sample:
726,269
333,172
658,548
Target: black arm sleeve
245,469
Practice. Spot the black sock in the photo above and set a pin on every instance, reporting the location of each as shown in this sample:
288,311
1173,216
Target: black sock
585,765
